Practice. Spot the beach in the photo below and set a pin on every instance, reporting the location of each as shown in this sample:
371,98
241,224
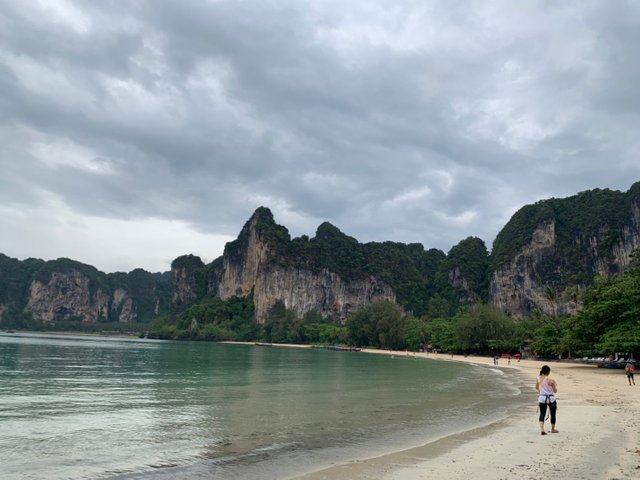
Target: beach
598,423
307,418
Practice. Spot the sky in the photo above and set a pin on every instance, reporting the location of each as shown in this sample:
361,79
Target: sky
133,132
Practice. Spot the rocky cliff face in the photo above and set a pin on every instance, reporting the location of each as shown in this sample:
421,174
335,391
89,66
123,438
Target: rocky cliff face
541,261
122,306
63,289
610,261
304,291
518,287
185,272
244,263
549,272
251,265
71,295
68,295
64,296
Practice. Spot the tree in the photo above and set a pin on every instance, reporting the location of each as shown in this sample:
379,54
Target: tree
325,333
441,334
438,307
380,324
485,329
610,319
416,333
282,326
549,339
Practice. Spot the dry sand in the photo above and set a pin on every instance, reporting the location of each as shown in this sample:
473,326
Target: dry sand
598,420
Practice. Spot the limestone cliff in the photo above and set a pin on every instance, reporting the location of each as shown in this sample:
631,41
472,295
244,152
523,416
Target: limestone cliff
541,261
244,261
572,241
255,264
304,291
123,307
520,286
466,269
185,275
64,296
66,290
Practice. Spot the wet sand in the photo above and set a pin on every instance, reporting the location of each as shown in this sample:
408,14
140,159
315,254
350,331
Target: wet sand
598,423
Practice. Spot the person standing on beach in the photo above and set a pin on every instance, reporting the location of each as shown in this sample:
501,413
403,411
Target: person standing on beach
630,369
547,388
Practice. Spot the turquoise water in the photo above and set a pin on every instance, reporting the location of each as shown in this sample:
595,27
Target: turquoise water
95,407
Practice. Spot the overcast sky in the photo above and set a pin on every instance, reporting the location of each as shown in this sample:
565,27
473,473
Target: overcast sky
133,132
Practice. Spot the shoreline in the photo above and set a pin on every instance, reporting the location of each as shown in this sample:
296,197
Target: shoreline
598,423
598,420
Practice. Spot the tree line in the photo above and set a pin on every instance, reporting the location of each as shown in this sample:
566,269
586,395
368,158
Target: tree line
608,322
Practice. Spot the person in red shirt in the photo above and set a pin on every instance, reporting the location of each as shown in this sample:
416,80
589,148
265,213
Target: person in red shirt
630,369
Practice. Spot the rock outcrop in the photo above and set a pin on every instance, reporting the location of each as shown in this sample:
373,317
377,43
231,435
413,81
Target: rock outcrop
304,291
185,275
563,255
123,307
66,290
253,265
541,262
65,296
519,287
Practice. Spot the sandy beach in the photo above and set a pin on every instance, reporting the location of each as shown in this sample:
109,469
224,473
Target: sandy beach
598,423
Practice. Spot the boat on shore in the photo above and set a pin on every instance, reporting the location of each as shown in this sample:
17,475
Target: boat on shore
264,344
337,348
619,365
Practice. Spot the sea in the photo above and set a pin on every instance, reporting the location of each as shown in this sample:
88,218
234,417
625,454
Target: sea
93,407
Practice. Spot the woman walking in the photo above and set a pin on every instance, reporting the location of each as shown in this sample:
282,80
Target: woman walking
547,388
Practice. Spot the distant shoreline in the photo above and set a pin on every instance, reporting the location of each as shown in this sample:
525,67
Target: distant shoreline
75,334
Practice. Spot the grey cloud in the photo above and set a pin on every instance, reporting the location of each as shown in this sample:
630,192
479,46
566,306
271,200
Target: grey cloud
407,122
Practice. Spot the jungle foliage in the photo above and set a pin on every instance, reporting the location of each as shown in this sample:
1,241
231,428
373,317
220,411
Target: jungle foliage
211,319
416,275
610,319
150,292
442,298
608,322
600,214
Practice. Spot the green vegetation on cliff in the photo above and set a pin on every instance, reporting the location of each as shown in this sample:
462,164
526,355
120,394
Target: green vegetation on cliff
441,298
409,269
465,271
276,236
15,278
610,319
149,292
211,319
594,215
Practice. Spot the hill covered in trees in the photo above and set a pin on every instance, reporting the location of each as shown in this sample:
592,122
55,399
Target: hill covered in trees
547,264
